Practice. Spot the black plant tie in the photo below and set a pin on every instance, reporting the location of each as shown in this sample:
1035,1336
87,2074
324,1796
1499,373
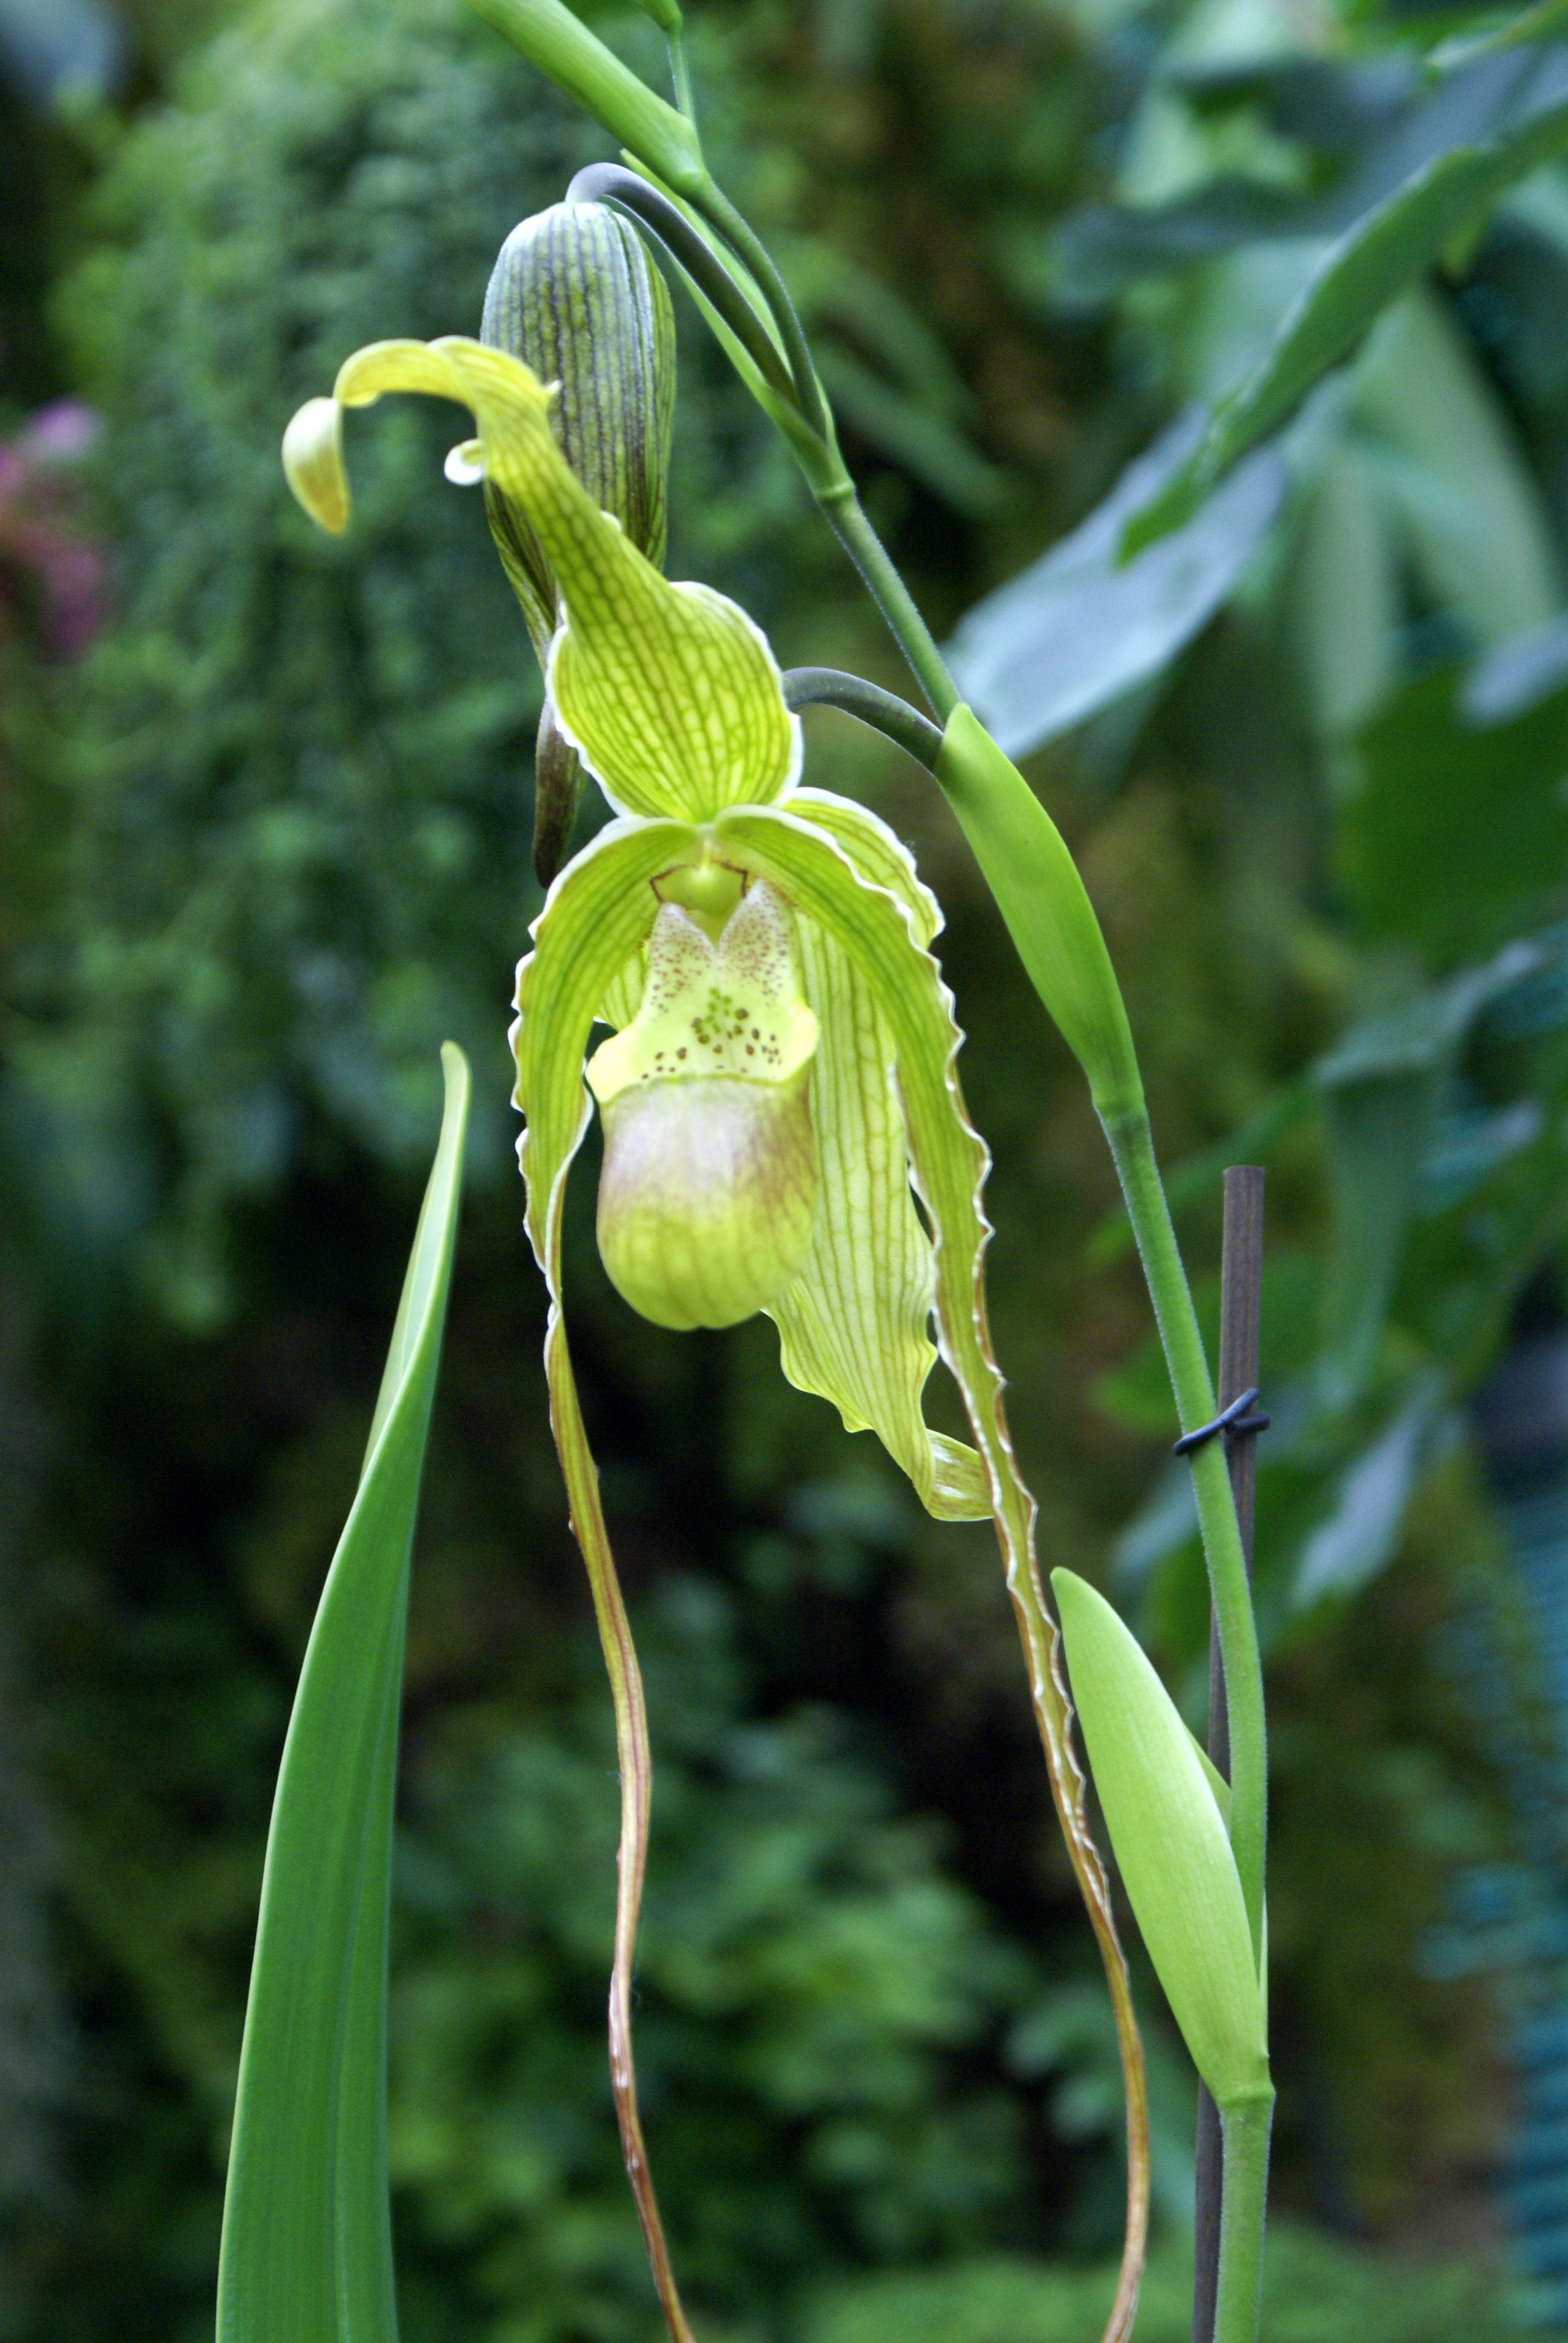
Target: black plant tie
1236,1422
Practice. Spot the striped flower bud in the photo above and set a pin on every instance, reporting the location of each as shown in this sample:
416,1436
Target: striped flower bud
709,1181
574,295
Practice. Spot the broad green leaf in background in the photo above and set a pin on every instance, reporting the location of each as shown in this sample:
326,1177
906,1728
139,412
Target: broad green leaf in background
1458,835
306,2254
1381,1088
1360,271
1357,1538
1076,629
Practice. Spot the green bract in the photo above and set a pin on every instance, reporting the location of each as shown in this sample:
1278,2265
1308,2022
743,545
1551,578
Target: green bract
1170,1839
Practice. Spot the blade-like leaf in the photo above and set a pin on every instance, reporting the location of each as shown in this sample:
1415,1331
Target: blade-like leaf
1458,835
1076,629
306,2254
1170,1842
1362,270
873,927
1371,1499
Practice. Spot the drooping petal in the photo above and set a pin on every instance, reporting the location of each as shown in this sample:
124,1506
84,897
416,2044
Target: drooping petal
852,1325
668,692
594,920
873,927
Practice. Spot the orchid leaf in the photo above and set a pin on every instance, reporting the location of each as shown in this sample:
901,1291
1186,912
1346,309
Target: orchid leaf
871,926
1170,1842
1387,248
1078,628
669,693
306,2254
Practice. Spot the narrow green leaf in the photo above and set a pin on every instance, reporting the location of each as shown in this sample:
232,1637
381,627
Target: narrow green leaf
1170,1842
306,2254
1390,246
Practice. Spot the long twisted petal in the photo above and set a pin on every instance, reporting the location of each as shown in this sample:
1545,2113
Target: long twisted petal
596,914
950,1161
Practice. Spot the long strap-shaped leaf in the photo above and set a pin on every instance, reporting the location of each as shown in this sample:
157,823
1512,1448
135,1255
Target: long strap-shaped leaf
307,2229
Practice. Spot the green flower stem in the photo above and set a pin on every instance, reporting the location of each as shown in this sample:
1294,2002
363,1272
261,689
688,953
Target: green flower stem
1243,2218
836,492
743,238
847,520
680,74
1132,1148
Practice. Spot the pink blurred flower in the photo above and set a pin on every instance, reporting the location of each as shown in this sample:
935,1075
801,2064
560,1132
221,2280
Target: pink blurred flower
48,563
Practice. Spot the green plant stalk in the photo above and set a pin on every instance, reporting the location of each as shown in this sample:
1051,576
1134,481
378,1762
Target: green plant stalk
680,74
837,497
846,517
1133,1151
743,239
1242,2219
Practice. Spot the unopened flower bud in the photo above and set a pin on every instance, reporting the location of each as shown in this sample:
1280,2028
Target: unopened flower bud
709,1181
575,296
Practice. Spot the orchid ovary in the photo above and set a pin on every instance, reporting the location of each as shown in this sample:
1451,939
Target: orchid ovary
780,1083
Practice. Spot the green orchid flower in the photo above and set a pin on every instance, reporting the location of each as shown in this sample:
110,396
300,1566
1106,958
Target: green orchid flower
778,1083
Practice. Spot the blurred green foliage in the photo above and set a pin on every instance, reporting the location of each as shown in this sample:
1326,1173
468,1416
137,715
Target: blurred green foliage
267,846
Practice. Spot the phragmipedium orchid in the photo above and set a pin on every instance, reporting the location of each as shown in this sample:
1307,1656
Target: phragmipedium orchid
779,1085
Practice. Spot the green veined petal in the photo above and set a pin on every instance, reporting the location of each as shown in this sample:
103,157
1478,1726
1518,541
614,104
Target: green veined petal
1170,1843
950,1159
668,692
880,858
596,919
853,1323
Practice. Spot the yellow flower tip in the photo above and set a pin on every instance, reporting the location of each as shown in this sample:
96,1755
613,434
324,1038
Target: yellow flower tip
710,1183
313,463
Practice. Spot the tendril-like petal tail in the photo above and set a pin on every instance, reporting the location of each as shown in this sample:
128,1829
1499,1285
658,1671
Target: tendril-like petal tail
596,914
875,924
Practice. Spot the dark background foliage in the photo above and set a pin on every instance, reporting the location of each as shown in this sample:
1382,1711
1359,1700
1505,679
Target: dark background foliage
265,845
